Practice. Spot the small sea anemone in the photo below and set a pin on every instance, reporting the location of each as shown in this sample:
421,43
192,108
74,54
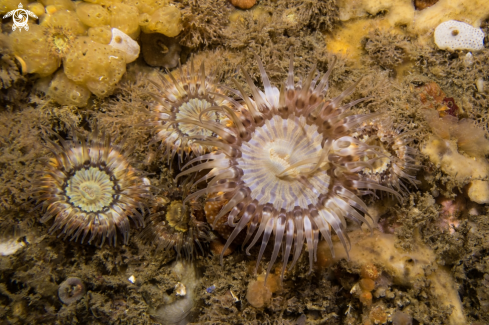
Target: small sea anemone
397,161
184,112
177,227
289,166
90,187
71,290
60,40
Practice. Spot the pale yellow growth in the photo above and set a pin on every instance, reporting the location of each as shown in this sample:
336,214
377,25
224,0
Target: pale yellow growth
347,39
402,12
404,267
479,192
399,12
166,21
444,153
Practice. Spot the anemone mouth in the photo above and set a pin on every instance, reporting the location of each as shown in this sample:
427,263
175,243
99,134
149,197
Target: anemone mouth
289,170
185,102
90,189
197,110
60,40
274,159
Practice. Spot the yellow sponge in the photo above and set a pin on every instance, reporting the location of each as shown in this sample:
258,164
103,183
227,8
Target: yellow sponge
125,18
104,2
147,6
34,51
166,21
37,8
59,4
66,92
92,15
65,19
101,35
99,67
8,5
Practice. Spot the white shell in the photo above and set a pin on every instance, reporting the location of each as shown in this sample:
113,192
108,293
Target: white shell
469,59
132,279
455,35
480,85
236,299
126,44
10,246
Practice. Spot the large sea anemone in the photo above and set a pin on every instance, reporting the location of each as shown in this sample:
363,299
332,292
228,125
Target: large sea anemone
289,168
89,187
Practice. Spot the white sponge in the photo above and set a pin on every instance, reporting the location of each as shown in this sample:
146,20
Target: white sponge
455,35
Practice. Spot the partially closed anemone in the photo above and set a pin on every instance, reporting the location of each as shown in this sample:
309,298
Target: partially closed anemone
177,228
395,166
90,189
185,110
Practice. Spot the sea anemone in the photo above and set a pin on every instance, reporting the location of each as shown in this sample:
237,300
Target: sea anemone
398,160
89,186
60,40
289,166
177,227
177,118
71,290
